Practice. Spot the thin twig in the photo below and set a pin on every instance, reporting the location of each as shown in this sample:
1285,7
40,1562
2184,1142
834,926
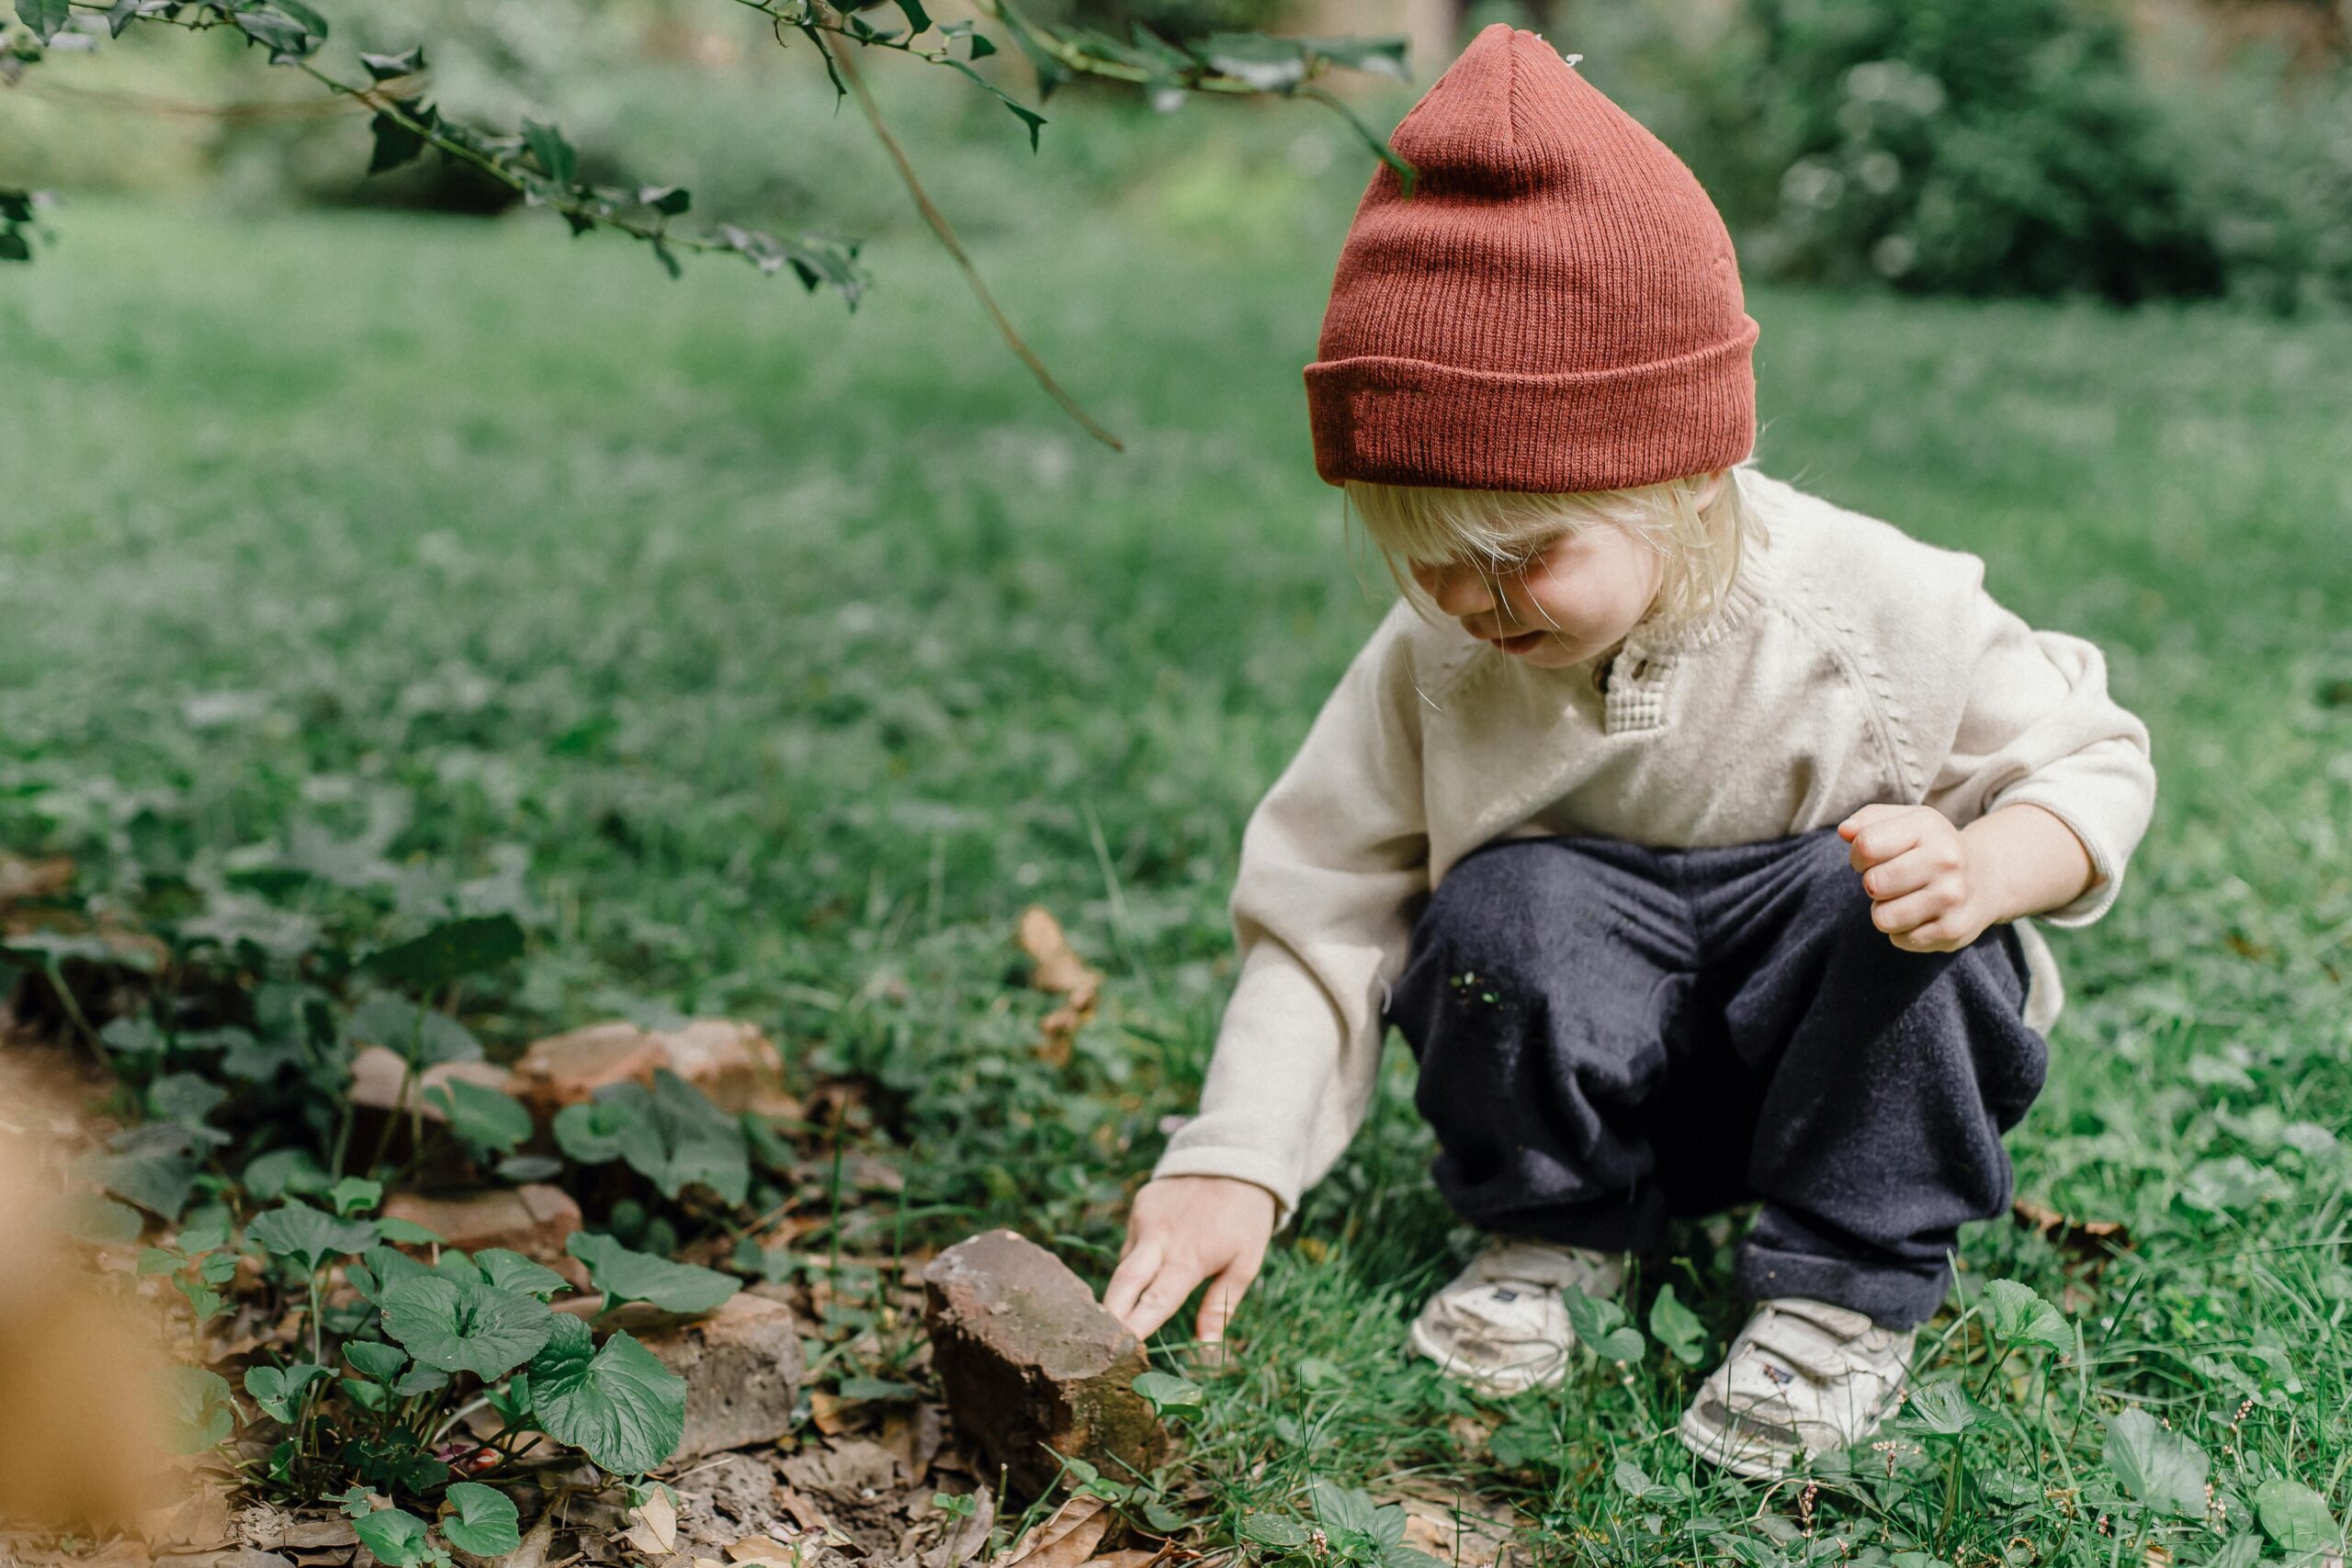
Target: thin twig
845,62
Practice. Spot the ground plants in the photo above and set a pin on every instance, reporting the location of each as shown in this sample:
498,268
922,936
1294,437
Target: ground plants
732,719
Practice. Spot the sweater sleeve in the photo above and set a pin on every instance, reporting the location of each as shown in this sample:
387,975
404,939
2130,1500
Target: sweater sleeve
1332,862
2039,729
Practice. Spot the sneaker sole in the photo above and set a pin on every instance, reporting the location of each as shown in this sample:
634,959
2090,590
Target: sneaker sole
1454,1368
1745,1454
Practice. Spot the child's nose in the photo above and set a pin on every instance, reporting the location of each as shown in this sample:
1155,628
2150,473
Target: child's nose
1462,590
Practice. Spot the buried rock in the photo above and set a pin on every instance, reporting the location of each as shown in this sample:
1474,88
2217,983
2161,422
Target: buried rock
743,1372
1032,1366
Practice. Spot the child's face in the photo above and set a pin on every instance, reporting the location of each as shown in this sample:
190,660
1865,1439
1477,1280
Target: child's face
1572,600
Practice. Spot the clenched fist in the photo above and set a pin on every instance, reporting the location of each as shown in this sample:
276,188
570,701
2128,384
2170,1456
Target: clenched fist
1935,888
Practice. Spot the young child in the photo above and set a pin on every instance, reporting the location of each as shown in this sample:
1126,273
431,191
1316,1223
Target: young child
1681,821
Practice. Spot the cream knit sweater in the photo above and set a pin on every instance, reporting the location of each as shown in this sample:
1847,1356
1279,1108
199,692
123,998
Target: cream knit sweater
1849,664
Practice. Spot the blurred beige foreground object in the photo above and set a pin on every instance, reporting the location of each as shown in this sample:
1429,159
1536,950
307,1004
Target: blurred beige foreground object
80,1429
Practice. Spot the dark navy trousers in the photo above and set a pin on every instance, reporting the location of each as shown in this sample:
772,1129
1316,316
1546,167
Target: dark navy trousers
1609,1035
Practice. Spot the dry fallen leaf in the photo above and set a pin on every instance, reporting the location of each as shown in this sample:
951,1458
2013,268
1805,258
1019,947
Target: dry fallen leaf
1460,1531
23,880
1132,1557
655,1529
533,1552
1059,970
1064,1540
2090,1240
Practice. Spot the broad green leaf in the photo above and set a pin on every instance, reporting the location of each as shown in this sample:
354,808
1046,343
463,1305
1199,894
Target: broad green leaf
394,1535
1676,1328
1277,1531
1589,1318
2160,1468
102,1221
1341,1507
512,1271
455,948
1170,1396
485,1120
278,1389
197,1410
374,1359
671,1134
462,1328
355,1194
1940,1410
559,162
2018,1316
386,67
295,1230
185,1097
2294,1515
421,1380
624,1275
619,1405
408,1233
154,1167
273,1175
422,1035
481,1520
1635,1483
45,17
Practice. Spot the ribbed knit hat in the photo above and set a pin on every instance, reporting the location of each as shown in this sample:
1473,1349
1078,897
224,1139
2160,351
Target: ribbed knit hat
1556,307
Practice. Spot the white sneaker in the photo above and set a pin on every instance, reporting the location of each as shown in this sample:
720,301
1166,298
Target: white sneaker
1803,1377
1501,1326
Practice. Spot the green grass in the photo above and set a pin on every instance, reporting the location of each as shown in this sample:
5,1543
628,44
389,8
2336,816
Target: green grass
788,655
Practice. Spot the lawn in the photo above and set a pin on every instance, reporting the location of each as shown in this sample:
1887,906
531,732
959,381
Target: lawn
768,660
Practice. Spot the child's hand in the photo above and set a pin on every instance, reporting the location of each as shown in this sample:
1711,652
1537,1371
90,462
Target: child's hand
1916,867
1182,1230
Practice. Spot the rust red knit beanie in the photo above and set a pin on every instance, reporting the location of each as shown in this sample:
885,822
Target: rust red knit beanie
1556,307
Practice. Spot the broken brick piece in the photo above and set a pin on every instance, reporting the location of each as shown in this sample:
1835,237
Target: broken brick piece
734,1065
743,1370
1031,1363
535,1221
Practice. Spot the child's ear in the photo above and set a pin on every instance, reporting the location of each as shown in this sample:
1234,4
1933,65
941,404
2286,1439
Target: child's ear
1712,488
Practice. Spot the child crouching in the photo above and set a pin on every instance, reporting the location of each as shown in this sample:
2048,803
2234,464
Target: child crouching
1680,821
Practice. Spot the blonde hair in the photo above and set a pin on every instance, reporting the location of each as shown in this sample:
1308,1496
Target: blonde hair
1701,546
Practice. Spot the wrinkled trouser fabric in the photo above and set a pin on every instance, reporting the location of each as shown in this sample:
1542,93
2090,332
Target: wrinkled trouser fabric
1609,1035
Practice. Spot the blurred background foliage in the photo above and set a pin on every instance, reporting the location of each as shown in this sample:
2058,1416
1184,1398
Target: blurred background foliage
2121,148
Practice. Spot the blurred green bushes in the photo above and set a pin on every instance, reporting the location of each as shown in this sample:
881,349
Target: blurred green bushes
1991,147
1974,146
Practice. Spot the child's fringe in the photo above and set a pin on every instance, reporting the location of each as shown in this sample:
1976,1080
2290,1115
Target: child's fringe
1500,530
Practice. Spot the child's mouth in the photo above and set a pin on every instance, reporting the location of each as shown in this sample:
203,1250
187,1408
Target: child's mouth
1522,643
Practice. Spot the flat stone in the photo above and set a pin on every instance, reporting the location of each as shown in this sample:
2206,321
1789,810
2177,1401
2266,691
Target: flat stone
533,1220
735,1065
378,1072
742,1367
1027,1358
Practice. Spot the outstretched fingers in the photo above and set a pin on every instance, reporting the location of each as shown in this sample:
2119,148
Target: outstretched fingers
1224,1295
1138,1264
